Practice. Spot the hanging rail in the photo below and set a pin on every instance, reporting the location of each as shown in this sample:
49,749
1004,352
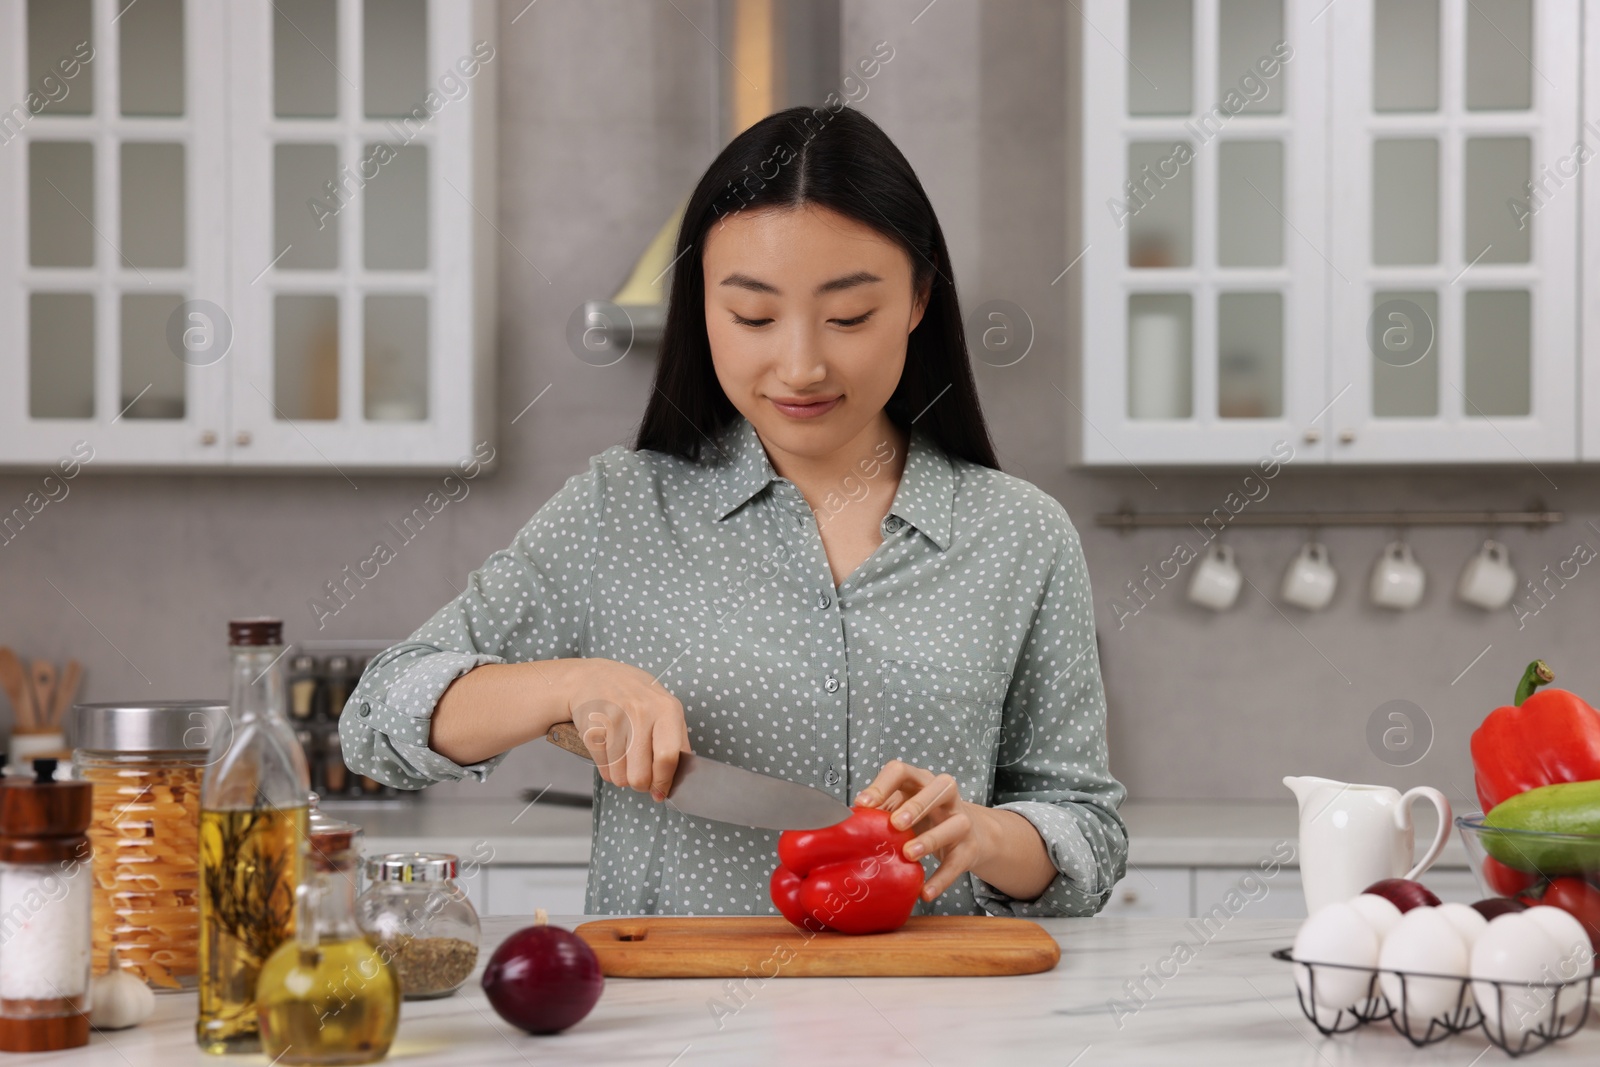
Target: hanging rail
1129,519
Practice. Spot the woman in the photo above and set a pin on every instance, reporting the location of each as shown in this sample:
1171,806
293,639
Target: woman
810,566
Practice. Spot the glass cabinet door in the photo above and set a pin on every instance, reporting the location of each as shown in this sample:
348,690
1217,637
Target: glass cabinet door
1455,209
116,162
1203,237
358,145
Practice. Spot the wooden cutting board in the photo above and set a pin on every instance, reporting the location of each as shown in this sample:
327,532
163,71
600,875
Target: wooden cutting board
676,946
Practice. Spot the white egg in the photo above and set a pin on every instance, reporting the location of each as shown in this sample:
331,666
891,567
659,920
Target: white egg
1468,921
1425,942
1337,934
1380,913
1516,951
1577,954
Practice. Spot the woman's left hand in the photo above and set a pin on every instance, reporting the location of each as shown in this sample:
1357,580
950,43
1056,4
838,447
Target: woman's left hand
959,834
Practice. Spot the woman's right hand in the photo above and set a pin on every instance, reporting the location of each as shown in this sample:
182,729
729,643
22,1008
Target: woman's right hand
632,726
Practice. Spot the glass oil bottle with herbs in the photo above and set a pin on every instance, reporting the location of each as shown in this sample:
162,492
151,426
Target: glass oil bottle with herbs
329,996
253,826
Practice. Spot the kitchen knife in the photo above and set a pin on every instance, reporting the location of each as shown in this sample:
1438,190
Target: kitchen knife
725,793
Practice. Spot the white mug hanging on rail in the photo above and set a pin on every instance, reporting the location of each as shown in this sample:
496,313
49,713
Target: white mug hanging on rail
1398,580
1217,579
1488,580
1310,580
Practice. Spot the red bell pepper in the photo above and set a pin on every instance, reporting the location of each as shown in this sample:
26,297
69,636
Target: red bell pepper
851,878
1542,738
1506,881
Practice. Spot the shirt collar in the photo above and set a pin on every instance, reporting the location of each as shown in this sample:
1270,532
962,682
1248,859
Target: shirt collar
925,498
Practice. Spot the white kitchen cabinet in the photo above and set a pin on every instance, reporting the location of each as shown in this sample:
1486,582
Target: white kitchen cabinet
1279,897
1153,893
1202,270
1438,131
1283,895
1313,223
1589,326
247,235
519,890
474,882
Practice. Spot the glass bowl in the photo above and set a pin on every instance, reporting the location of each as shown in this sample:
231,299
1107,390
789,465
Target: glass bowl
1509,862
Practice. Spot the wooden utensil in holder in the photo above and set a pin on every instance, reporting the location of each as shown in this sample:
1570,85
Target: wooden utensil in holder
39,699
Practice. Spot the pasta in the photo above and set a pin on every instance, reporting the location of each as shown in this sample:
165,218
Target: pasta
146,838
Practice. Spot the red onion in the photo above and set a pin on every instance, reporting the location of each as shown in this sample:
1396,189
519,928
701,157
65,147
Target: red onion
1404,893
1491,907
542,978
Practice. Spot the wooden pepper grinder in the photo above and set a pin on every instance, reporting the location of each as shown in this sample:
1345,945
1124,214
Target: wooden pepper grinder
45,894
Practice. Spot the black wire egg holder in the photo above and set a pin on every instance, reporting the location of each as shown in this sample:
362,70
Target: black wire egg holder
1557,1023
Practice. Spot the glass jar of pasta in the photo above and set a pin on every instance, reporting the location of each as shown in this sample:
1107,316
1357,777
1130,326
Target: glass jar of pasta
145,762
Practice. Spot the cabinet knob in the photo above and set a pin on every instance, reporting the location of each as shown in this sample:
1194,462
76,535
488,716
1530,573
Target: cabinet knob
242,437
1313,435
1346,436
208,437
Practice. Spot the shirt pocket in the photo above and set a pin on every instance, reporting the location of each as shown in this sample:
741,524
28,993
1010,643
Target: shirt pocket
945,720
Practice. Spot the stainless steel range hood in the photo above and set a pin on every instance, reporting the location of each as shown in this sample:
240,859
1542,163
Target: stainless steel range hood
771,54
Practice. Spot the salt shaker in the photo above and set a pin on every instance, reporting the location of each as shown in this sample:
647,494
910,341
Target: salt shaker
45,894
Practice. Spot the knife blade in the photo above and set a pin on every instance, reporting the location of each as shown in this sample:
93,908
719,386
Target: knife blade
711,789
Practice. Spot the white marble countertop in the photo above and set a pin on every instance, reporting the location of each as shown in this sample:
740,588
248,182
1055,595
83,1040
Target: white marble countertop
1168,833
1230,1004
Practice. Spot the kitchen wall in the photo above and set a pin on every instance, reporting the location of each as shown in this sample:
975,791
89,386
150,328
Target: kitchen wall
607,118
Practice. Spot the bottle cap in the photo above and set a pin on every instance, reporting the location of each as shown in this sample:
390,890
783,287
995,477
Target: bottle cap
156,726
330,837
258,631
412,867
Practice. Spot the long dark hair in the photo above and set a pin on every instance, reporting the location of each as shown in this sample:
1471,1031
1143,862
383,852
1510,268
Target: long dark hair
841,160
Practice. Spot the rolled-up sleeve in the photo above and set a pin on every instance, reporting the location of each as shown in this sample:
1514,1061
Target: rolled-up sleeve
527,602
1051,766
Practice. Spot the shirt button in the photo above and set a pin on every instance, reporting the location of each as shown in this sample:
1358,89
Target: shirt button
366,709
833,776
823,600
892,524
831,684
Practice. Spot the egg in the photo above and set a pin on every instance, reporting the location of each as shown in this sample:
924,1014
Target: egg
1337,934
1516,951
1577,955
1467,920
1423,942
1380,913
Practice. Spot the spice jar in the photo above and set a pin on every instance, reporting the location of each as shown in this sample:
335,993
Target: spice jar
328,995
335,775
421,920
302,679
145,762
44,899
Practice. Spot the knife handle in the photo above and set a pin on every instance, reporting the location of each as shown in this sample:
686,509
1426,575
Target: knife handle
565,735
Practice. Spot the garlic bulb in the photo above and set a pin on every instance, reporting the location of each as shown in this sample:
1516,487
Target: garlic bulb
120,999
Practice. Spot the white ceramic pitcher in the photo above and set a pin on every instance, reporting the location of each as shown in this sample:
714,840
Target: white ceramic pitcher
1354,835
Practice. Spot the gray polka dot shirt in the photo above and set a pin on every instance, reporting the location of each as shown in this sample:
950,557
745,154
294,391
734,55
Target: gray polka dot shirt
964,644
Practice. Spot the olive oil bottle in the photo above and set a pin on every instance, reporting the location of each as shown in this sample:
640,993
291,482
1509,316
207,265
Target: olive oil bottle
328,996
253,803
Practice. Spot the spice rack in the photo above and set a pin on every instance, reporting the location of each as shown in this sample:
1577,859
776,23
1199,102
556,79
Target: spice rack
320,677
